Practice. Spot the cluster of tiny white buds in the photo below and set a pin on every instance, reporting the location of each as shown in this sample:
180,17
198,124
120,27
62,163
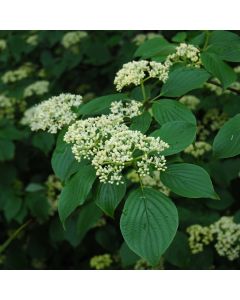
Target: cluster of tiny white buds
190,101
128,109
37,88
53,114
186,53
111,146
198,149
136,71
72,38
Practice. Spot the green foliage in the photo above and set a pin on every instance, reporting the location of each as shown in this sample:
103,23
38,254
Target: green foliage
148,223
188,180
75,191
55,212
227,141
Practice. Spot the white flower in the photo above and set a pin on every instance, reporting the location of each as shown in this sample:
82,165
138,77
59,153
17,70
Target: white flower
131,73
190,101
136,71
7,107
129,109
111,146
37,88
158,70
52,114
185,52
73,38
198,149
15,75
224,234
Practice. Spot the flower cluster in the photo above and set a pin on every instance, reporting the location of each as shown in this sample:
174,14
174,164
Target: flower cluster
215,119
198,149
54,188
18,74
219,90
7,107
129,109
32,40
3,45
52,114
152,180
136,71
72,38
141,38
111,145
190,101
142,264
101,262
199,236
225,234
37,88
185,53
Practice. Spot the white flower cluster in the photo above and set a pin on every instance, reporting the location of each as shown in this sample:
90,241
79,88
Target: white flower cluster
3,45
198,149
7,107
152,180
32,40
199,236
225,234
136,71
111,146
214,119
185,53
129,109
141,38
218,90
72,38
52,114
190,101
37,88
18,74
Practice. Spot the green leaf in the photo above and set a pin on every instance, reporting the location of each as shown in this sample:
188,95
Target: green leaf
226,45
154,47
128,257
149,223
227,141
88,216
38,204
142,122
43,141
179,37
218,68
184,80
75,191
7,150
109,196
188,180
99,105
167,110
178,134
12,204
63,162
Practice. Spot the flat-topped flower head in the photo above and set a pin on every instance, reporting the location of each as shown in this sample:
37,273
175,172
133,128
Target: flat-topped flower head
39,87
131,73
186,53
136,71
53,114
128,109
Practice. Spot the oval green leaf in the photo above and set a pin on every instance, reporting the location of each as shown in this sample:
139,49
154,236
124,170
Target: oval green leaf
227,141
149,223
188,180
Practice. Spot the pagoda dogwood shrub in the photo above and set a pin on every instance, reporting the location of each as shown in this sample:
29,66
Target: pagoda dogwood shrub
119,150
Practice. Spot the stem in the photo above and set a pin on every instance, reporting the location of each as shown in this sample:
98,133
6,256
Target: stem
143,92
13,236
